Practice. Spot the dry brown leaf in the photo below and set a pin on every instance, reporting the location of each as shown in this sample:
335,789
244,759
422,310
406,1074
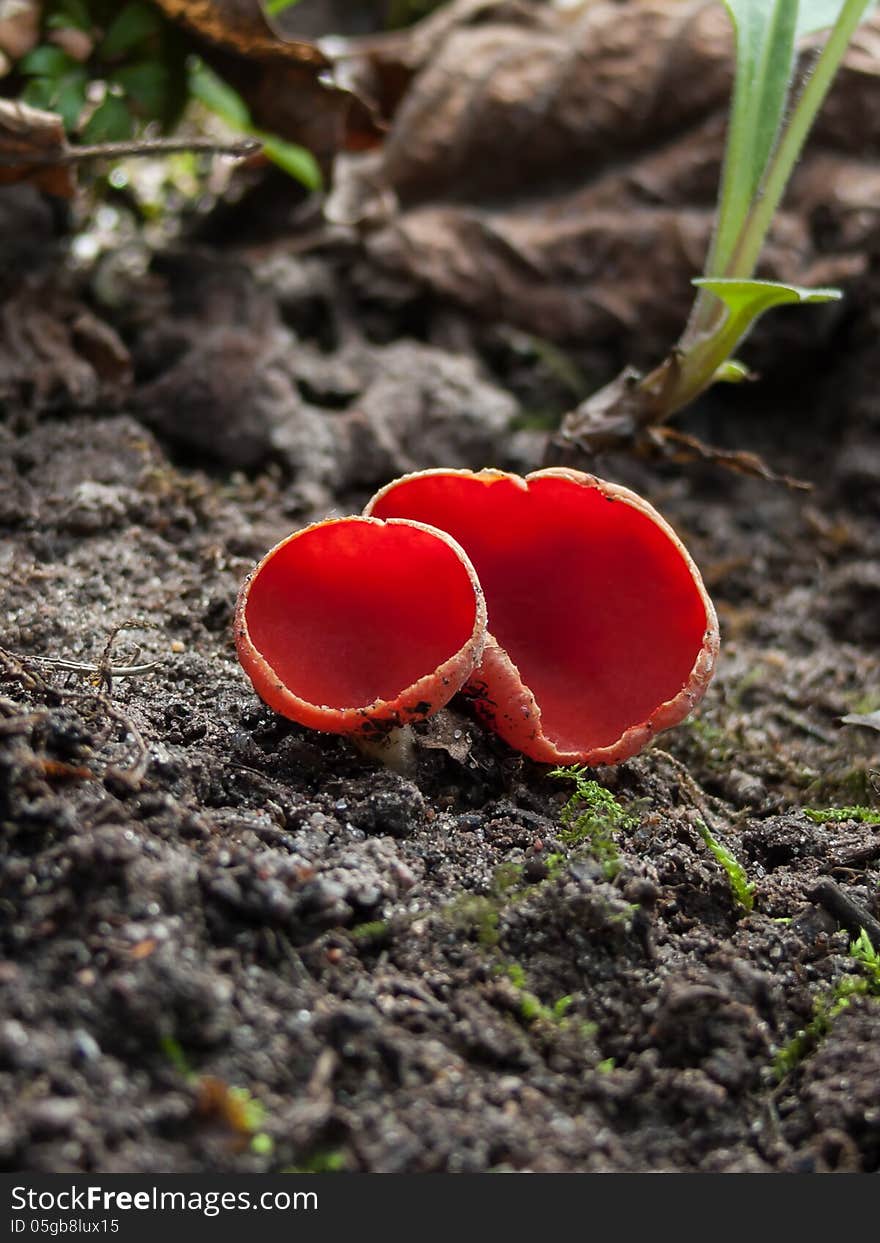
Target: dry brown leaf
287,84
503,105
608,260
219,1103
558,171
243,26
54,350
678,446
383,65
32,148
616,418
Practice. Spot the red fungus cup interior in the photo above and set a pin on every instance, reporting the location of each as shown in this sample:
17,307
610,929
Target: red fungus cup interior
354,611
589,593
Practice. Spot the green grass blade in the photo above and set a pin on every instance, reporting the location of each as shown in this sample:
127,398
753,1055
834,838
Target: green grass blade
816,15
765,41
215,95
295,160
786,154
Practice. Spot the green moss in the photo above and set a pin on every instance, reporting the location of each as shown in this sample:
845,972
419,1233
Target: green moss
554,863
837,815
825,1011
478,915
507,879
516,974
530,1006
593,818
741,888
173,1051
474,915
324,1161
535,420
863,951
253,1112
373,930
561,1006
827,1007
245,1113
605,1067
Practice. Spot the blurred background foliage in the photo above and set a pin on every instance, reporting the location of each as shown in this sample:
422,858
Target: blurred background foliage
118,72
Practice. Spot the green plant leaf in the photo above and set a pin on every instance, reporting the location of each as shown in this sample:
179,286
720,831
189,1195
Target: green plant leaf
46,61
135,23
746,300
110,122
146,84
39,93
816,15
295,160
731,372
765,33
274,7
213,93
70,13
217,97
755,297
742,889
765,37
743,302
70,97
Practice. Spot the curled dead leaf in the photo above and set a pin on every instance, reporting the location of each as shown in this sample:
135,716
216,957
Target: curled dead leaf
287,84
558,170
243,26
33,148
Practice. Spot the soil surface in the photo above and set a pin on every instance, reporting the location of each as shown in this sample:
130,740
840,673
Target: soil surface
232,944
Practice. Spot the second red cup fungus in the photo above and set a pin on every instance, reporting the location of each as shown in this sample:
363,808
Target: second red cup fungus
601,631
356,625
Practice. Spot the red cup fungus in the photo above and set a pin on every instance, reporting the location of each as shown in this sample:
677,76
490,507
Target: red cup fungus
360,625
601,632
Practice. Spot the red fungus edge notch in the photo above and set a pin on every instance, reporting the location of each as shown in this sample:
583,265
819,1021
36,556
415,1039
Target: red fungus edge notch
360,625
601,632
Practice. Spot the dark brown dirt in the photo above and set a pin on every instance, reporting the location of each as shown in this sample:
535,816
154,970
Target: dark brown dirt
197,896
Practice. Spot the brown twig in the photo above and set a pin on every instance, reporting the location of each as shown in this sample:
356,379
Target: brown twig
240,148
16,667
105,671
850,914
